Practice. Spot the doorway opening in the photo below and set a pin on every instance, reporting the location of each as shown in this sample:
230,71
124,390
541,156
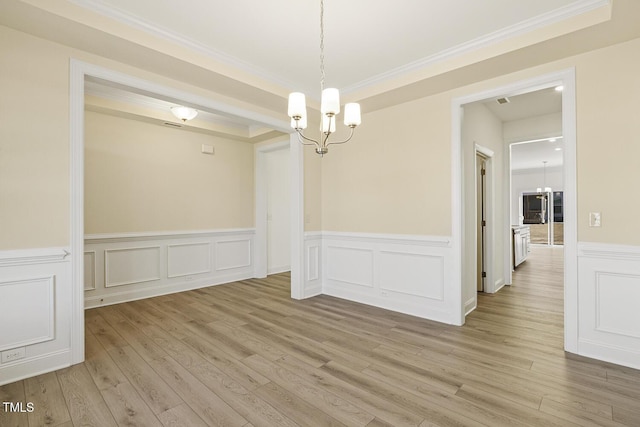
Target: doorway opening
79,73
273,208
465,213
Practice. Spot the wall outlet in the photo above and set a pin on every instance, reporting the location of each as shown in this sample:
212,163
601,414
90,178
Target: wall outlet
594,219
13,354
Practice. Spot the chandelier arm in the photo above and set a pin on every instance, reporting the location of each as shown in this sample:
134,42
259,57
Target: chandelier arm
301,138
342,142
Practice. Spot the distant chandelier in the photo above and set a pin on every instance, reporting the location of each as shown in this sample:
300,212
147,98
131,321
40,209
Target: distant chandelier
329,108
544,188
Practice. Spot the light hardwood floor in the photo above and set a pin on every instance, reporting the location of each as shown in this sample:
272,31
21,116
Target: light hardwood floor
245,354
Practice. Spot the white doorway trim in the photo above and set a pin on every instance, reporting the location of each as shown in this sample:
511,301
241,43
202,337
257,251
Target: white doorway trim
568,80
79,70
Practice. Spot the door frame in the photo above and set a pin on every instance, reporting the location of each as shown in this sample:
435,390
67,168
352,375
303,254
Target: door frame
261,188
566,78
78,71
489,284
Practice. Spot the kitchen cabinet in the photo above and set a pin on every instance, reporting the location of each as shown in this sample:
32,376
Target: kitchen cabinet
521,244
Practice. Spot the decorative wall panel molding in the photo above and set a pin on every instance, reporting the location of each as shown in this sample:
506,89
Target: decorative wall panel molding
233,254
89,270
608,295
128,266
401,273
399,270
188,259
350,265
312,264
143,265
35,296
35,312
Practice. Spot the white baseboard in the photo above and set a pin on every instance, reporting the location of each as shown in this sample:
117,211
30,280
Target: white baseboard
34,366
278,269
608,353
469,306
156,291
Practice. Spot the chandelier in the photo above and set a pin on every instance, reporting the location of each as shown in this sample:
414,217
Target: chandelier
329,108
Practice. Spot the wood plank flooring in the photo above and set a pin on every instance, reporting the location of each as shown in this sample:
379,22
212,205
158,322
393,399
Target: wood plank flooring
245,354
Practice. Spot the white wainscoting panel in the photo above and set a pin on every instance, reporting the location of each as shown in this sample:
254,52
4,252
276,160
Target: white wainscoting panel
609,292
408,274
187,259
89,270
35,311
127,266
312,264
34,295
350,265
142,265
231,254
412,274
617,297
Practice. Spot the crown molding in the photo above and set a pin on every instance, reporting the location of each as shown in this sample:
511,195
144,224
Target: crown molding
118,15
572,10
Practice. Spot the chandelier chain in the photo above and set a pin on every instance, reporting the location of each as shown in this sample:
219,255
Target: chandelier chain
321,45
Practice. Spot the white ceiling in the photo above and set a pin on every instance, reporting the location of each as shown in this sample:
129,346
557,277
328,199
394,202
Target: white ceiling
531,154
377,53
279,39
532,104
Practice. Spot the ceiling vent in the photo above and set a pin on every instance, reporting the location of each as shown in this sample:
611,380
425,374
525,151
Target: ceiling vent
175,125
504,100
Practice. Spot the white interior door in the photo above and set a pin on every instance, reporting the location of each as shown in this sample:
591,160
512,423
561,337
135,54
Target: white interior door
278,211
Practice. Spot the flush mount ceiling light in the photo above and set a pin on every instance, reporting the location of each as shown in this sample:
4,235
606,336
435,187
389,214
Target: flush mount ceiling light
329,108
184,113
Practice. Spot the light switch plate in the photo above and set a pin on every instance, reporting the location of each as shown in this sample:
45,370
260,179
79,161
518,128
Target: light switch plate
208,149
595,219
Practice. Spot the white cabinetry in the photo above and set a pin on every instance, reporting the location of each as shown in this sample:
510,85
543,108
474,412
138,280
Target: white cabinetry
521,244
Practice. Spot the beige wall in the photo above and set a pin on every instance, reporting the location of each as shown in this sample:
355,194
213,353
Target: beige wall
34,142
143,177
395,175
34,136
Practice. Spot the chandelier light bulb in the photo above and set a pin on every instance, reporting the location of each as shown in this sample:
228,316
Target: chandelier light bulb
330,103
297,105
352,114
